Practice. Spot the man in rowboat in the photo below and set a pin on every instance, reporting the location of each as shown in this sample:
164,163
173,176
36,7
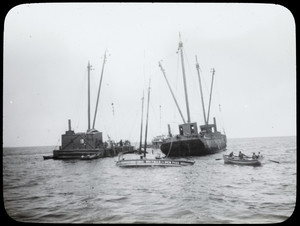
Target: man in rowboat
241,155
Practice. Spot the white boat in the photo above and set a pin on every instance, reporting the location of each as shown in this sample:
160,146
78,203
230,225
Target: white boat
141,161
136,160
92,156
249,161
158,140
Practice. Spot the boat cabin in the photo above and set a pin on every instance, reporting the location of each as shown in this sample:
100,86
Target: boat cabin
188,129
209,128
89,140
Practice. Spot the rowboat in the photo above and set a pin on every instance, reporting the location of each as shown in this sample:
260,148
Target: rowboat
248,161
48,157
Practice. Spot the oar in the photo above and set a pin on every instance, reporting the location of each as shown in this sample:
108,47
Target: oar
273,161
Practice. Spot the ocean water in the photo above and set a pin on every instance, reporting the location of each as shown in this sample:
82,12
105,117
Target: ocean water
97,191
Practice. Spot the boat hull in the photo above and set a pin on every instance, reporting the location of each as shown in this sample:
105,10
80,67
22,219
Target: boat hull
77,153
153,162
93,153
193,146
237,161
48,157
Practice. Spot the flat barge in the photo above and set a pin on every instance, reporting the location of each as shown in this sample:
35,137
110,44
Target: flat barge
82,145
88,145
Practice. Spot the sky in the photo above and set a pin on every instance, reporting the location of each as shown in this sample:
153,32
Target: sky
47,47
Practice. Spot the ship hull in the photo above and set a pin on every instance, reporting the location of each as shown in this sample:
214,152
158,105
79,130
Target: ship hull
77,153
81,153
193,146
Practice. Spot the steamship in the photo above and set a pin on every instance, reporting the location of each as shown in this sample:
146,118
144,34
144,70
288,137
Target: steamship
189,142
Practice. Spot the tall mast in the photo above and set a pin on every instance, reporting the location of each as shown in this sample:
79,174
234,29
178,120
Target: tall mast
184,80
203,108
146,130
141,134
212,82
89,67
99,90
163,71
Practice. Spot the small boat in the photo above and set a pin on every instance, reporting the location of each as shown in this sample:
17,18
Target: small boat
146,162
158,140
48,157
249,161
137,159
89,157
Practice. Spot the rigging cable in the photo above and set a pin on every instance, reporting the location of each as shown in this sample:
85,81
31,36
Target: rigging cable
134,125
219,101
170,147
57,143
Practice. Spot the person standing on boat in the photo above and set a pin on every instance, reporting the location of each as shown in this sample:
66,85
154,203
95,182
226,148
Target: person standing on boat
254,156
258,155
241,155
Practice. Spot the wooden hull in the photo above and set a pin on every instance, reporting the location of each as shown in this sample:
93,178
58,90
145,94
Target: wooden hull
238,161
153,162
193,146
48,157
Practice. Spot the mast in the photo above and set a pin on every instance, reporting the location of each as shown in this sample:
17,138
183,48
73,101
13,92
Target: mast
146,130
163,71
89,67
99,90
184,79
141,134
212,82
201,93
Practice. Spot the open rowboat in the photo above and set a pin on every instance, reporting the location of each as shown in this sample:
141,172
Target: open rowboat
249,161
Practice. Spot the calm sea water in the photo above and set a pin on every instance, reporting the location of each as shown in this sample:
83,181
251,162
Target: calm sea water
97,191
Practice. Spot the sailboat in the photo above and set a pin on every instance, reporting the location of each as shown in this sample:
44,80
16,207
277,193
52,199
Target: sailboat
87,145
143,160
189,142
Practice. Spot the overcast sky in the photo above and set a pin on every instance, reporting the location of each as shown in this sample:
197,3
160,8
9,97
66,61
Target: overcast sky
47,48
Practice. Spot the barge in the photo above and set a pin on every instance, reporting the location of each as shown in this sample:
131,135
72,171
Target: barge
89,144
